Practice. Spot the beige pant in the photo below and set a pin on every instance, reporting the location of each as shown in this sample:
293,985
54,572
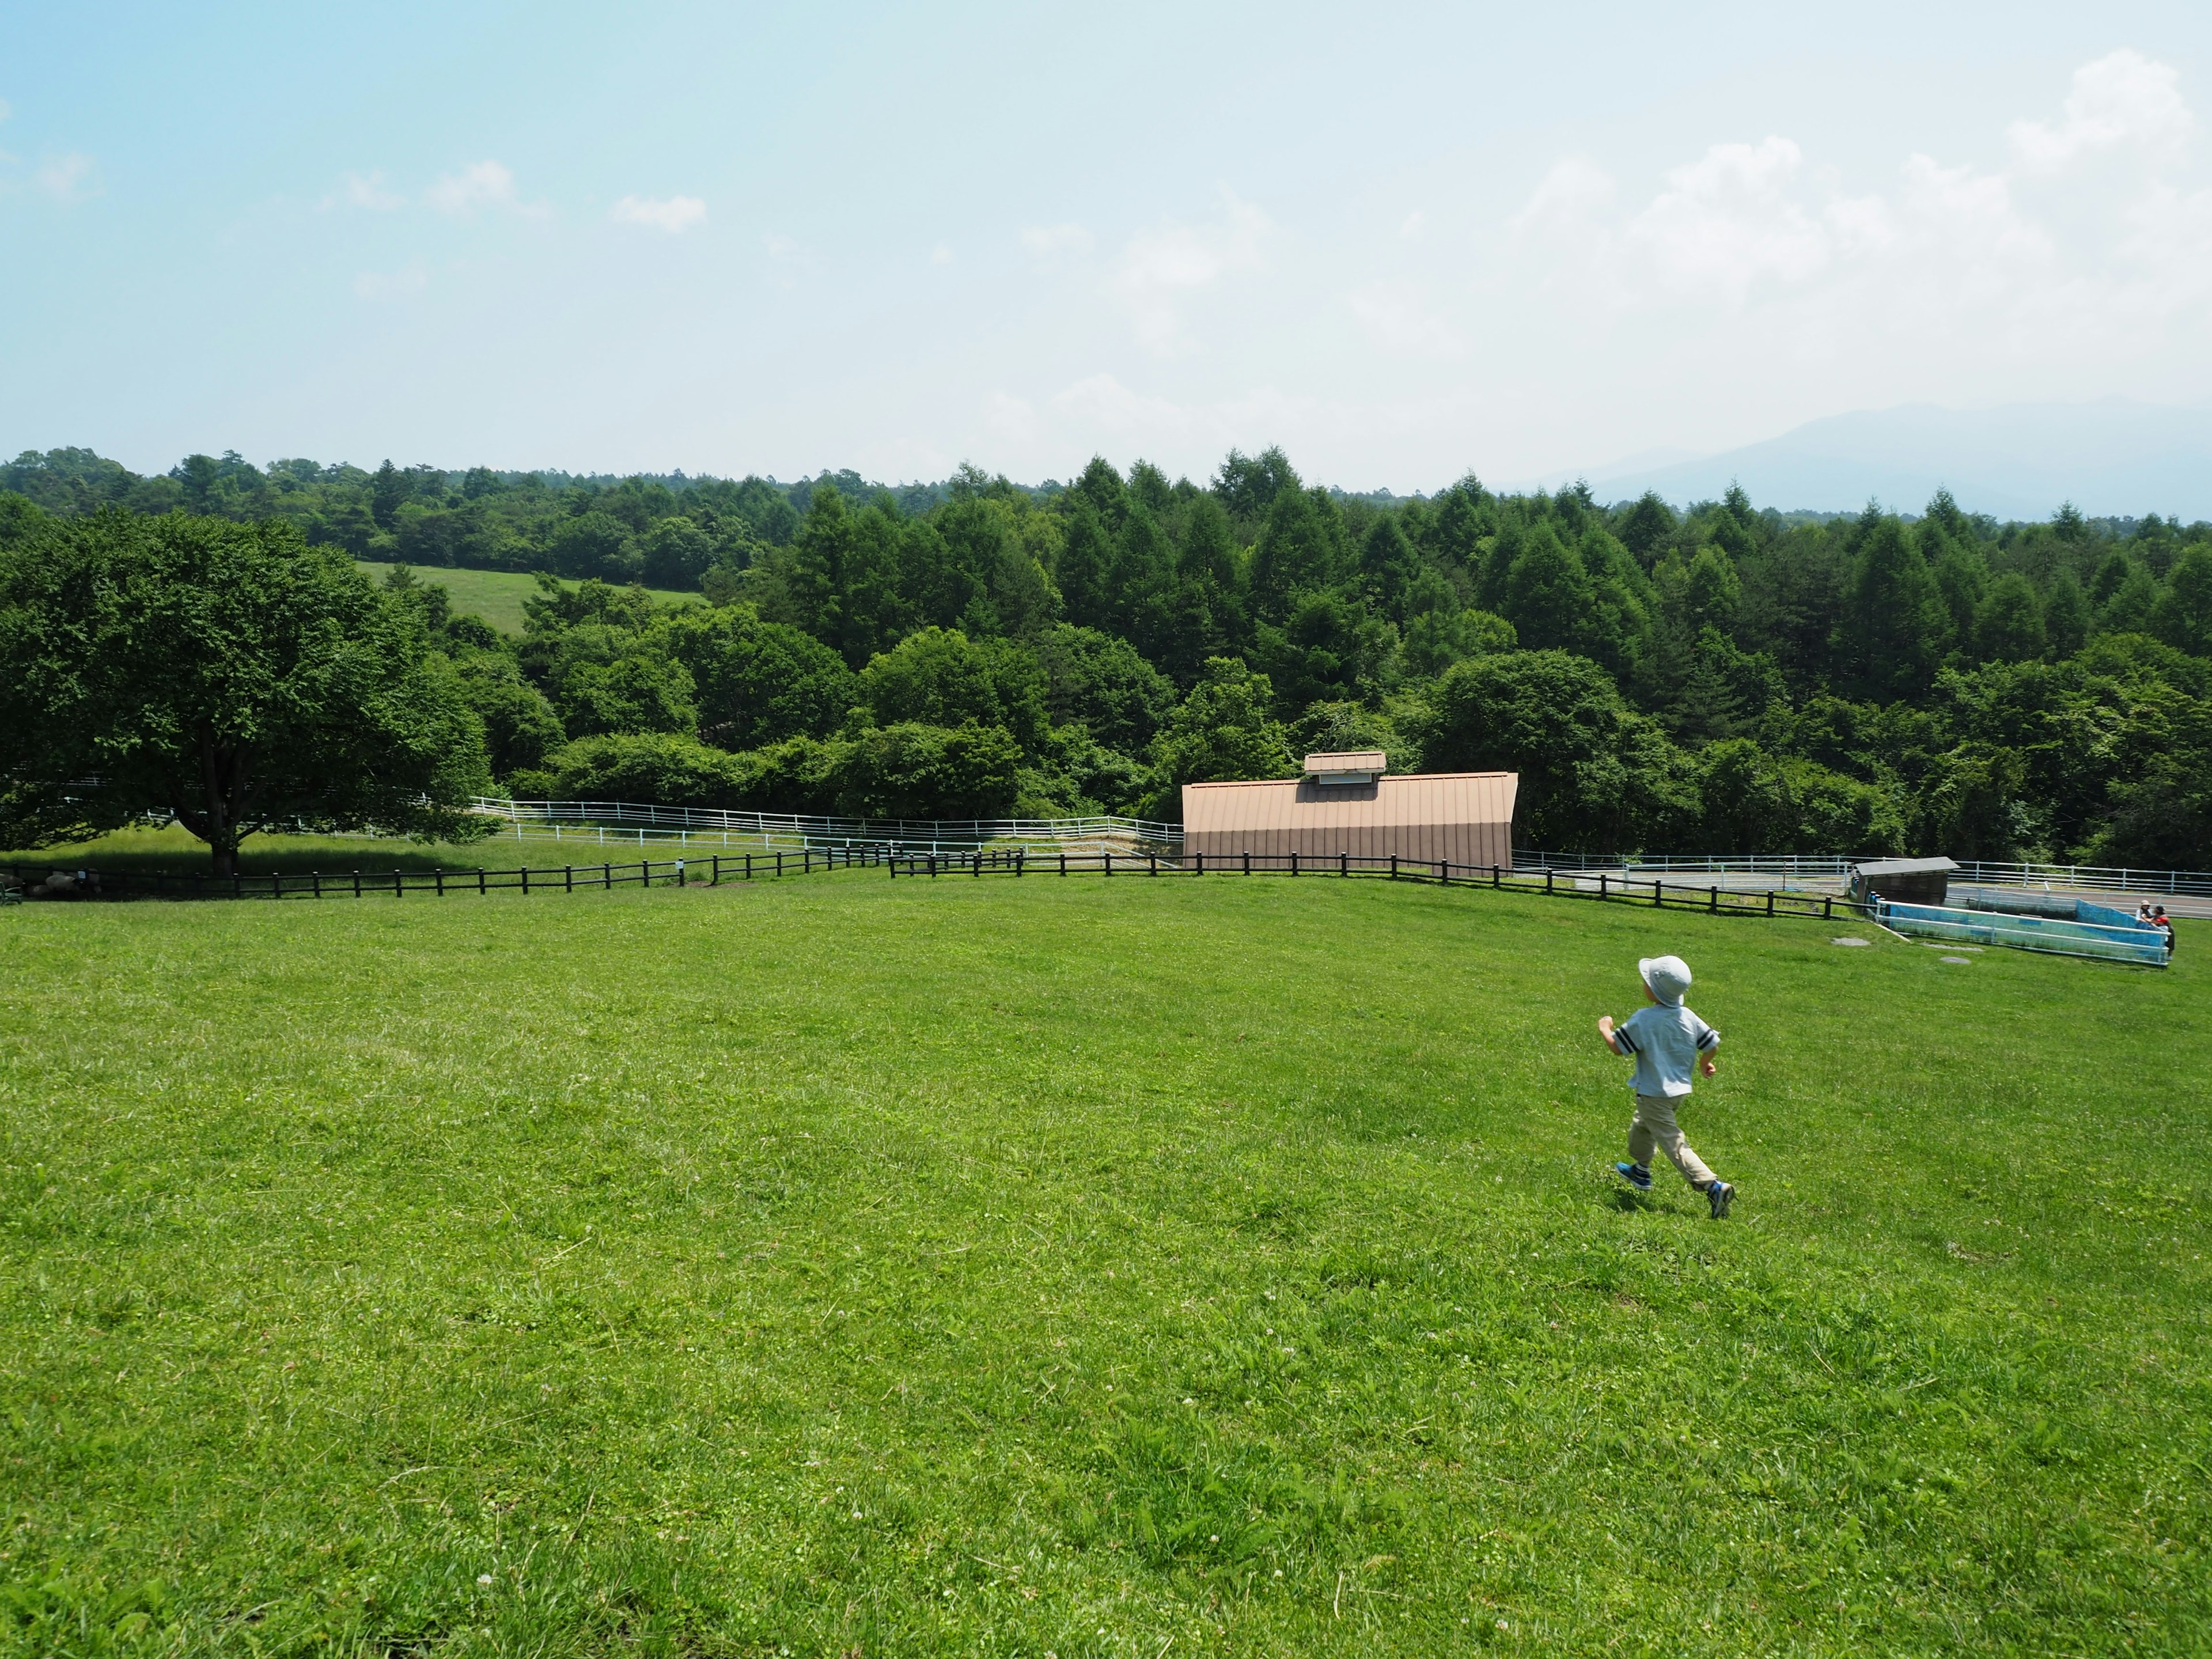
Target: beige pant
1655,1126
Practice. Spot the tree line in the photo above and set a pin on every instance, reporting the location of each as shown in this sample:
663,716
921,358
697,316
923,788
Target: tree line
1726,678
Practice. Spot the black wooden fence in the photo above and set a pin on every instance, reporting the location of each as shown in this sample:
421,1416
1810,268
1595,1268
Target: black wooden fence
1606,887
714,871
710,872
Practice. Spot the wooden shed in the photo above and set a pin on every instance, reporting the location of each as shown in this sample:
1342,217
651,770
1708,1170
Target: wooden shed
1347,804
1906,881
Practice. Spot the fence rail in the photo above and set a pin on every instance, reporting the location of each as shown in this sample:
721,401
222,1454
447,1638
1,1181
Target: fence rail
1714,898
931,834
47,881
1605,885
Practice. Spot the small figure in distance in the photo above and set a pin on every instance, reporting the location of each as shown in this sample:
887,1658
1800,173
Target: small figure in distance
2164,923
1667,1042
2143,917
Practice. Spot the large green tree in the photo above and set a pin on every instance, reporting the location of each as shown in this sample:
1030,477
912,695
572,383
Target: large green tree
226,673
1593,773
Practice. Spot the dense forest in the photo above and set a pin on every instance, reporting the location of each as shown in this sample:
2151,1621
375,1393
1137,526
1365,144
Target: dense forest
1726,678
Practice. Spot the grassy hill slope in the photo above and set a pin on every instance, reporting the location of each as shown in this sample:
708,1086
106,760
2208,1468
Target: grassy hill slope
1094,1267
495,595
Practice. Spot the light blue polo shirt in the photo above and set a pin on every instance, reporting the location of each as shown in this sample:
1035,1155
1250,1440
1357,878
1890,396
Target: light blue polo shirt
1666,1044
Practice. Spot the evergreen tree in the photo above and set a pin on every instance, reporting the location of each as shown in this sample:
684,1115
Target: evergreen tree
1893,621
1389,567
2183,615
1547,594
2065,615
2008,624
1300,550
1647,523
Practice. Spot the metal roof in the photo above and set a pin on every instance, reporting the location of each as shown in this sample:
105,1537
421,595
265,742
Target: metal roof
1904,867
1464,816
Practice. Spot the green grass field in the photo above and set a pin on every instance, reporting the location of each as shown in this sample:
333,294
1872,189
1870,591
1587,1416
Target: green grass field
1085,1267
495,595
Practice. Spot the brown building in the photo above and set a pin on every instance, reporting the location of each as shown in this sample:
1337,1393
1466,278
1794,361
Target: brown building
1347,804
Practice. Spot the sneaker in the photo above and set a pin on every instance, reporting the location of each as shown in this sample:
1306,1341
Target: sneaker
1720,1195
1636,1176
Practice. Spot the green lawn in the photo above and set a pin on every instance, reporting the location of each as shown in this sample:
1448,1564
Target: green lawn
495,595
1092,1268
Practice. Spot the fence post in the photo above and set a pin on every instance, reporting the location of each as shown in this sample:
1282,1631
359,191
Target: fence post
315,877
1153,860
1110,860
237,886
1601,886
525,879
1248,860
1201,862
1343,862
442,883
715,879
1394,866
1547,880
779,865
1497,877
1770,903
1021,859
356,884
480,880
1714,907
645,872
1827,906
1443,872
748,867
607,877
275,885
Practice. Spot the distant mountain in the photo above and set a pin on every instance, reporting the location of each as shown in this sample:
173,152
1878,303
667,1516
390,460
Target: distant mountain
2112,459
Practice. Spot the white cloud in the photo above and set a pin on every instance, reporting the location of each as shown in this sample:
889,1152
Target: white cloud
1749,222
1047,242
940,255
5,110
1161,267
1573,192
405,284
479,184
2123,100
365,190
69,178
1414,228
784,250
1398,317
1728,219
674,214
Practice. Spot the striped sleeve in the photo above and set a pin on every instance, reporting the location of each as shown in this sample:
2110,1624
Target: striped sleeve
1707,1038
1627,1042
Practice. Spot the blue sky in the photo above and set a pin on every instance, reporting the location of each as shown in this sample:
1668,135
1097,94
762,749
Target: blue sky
1402,242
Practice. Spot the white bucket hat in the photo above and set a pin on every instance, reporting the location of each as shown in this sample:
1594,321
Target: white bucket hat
1667,976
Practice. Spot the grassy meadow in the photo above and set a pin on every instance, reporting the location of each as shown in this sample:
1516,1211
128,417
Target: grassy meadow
495,595
1085,1267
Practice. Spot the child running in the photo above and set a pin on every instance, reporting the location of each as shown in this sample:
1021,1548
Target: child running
1667,1042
